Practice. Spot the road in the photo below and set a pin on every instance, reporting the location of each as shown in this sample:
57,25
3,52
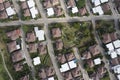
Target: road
26,54
4,64
80,64
99,42
51,52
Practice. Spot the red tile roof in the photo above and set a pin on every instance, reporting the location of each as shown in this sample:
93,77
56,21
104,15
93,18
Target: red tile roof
56,32
13,35
61,58
31,37
42,48
94,50
17,56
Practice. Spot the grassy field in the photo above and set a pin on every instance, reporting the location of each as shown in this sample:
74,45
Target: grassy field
3,74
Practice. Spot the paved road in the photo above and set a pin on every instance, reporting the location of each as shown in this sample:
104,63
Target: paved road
17,8
57,20
80,64
64,7
99,42
26,54
4,64
51,52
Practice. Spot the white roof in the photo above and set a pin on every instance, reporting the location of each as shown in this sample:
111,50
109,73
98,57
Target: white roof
39,34
96,2
116,43
34,12
74,10
97,61
110,46
36,61
113,54
72,64
10,11
22,0
103,1
18,46
51,78
98,10
64,67
116,69
50,12
118,51
118,76
31,3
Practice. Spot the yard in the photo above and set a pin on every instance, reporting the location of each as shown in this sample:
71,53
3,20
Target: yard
105,27
3,73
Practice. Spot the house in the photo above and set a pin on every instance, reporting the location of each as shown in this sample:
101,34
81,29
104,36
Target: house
74,10
12,46
36,61
83,11
24,5
15,34
26,13
106,38
94,50
3,15
55,2
1,7
64,67
17,56
1,1
67,76
18,66
97,61
70,56
42,48
96,2
113,36
30,3
30,37
50,71
32,47
59,44
51,78
101,71
47,4
72,64
34,12
26,77
58,11
98,10
76,72
39,34
10,11
71,3
56,32
90,63
61,58
50,11
105,7
114,61
7,4
42,74
86,55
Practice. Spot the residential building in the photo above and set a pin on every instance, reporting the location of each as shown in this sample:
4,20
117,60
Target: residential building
59,44
56,32
32,47
30,37
17,56
42,48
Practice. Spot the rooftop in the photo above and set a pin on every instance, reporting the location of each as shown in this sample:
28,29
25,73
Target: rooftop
36,61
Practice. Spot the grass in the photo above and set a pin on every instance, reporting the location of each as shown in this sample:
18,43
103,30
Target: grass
105,26
3,73
45,60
